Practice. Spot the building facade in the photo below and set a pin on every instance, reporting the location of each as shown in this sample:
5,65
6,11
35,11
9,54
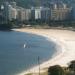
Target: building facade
5,11
12,13
56,12
27,14
45,14
61,13
40,13
23,14
37,13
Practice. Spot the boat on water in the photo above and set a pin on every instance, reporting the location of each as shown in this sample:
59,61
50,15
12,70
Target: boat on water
24,45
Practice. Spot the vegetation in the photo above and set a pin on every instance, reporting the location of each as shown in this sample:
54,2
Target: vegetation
29,3
66,23
7,25
47,24
56,70
38,24
72,66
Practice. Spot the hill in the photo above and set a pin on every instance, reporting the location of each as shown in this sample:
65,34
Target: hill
29,3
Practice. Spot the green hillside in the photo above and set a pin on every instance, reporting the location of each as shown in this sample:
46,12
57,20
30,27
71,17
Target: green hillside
29,3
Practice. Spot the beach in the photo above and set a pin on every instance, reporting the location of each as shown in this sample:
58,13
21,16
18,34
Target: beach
65,38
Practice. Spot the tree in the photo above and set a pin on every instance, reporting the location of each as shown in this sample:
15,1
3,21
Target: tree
6,26
72,66
56,70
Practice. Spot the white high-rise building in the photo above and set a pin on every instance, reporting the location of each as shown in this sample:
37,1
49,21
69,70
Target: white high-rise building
61,12
23,14
40,13
45,14
33,13
2,7
5,11
37,13
27,14
12,13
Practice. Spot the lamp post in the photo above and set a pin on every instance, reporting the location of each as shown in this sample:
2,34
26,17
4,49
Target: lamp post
39,64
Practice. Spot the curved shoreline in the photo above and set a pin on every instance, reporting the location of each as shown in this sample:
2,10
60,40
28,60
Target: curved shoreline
61,59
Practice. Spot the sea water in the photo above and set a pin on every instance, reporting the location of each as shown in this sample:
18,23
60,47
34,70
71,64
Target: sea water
14,57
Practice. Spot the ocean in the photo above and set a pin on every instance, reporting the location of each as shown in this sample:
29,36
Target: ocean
15,58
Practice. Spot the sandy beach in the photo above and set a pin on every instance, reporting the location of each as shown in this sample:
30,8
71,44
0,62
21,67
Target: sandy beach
65,38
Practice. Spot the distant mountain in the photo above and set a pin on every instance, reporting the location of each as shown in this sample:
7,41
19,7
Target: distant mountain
29,3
